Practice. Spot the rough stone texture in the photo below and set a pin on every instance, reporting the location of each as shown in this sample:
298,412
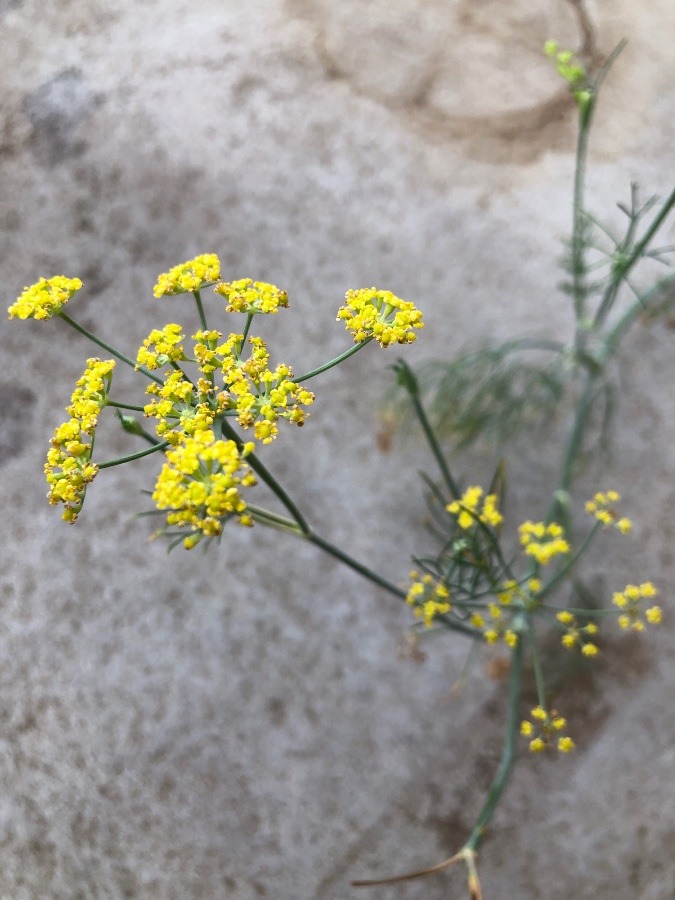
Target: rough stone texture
238,724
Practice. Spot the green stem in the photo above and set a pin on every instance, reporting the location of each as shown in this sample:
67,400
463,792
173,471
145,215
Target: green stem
334,551
119,405
132,456
637,309
274,520
621,273
509,751
575,440
200,310
333,362
249,319
578,287
267,477
432,441
567,568
101,343
407,379
536,666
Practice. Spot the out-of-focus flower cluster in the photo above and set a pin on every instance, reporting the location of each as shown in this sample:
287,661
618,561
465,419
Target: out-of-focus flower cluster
601,507
543,542
468,509
630,603
543,728
428,598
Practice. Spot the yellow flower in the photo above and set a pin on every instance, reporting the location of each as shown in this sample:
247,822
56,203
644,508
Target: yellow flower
468,511
601,508
629,601
189,276
498,627
44,299
543,542
200,485
252,297
428,597
69,468
162,346
545,727
575,634
369,312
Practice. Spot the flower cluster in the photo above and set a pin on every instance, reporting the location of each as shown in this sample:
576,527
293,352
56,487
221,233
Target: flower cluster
44,299
162,346
69,468
189,276
258,395
182,408
576,634
468,510
525,594
499,626
428,598
601,508
252,297
369,313
629,601
566,65
544,729
543,542
199,485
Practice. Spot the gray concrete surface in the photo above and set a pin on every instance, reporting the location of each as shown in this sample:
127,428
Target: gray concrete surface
239,724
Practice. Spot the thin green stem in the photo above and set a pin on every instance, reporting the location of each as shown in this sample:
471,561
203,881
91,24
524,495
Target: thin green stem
249,319
274,520
578,226
200,310
621,272
536,665
115,352
409,382
567,568
575,440
637,309
334,551
434,446
333,362
132,456
509,751
119,405
267,477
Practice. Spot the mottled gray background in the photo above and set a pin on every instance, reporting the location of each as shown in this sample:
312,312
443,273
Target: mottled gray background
239,724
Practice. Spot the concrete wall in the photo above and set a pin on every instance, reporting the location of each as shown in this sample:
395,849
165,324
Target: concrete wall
239,724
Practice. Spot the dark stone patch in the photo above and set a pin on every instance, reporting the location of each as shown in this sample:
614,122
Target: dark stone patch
16,408
55,109
7,5
276,710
